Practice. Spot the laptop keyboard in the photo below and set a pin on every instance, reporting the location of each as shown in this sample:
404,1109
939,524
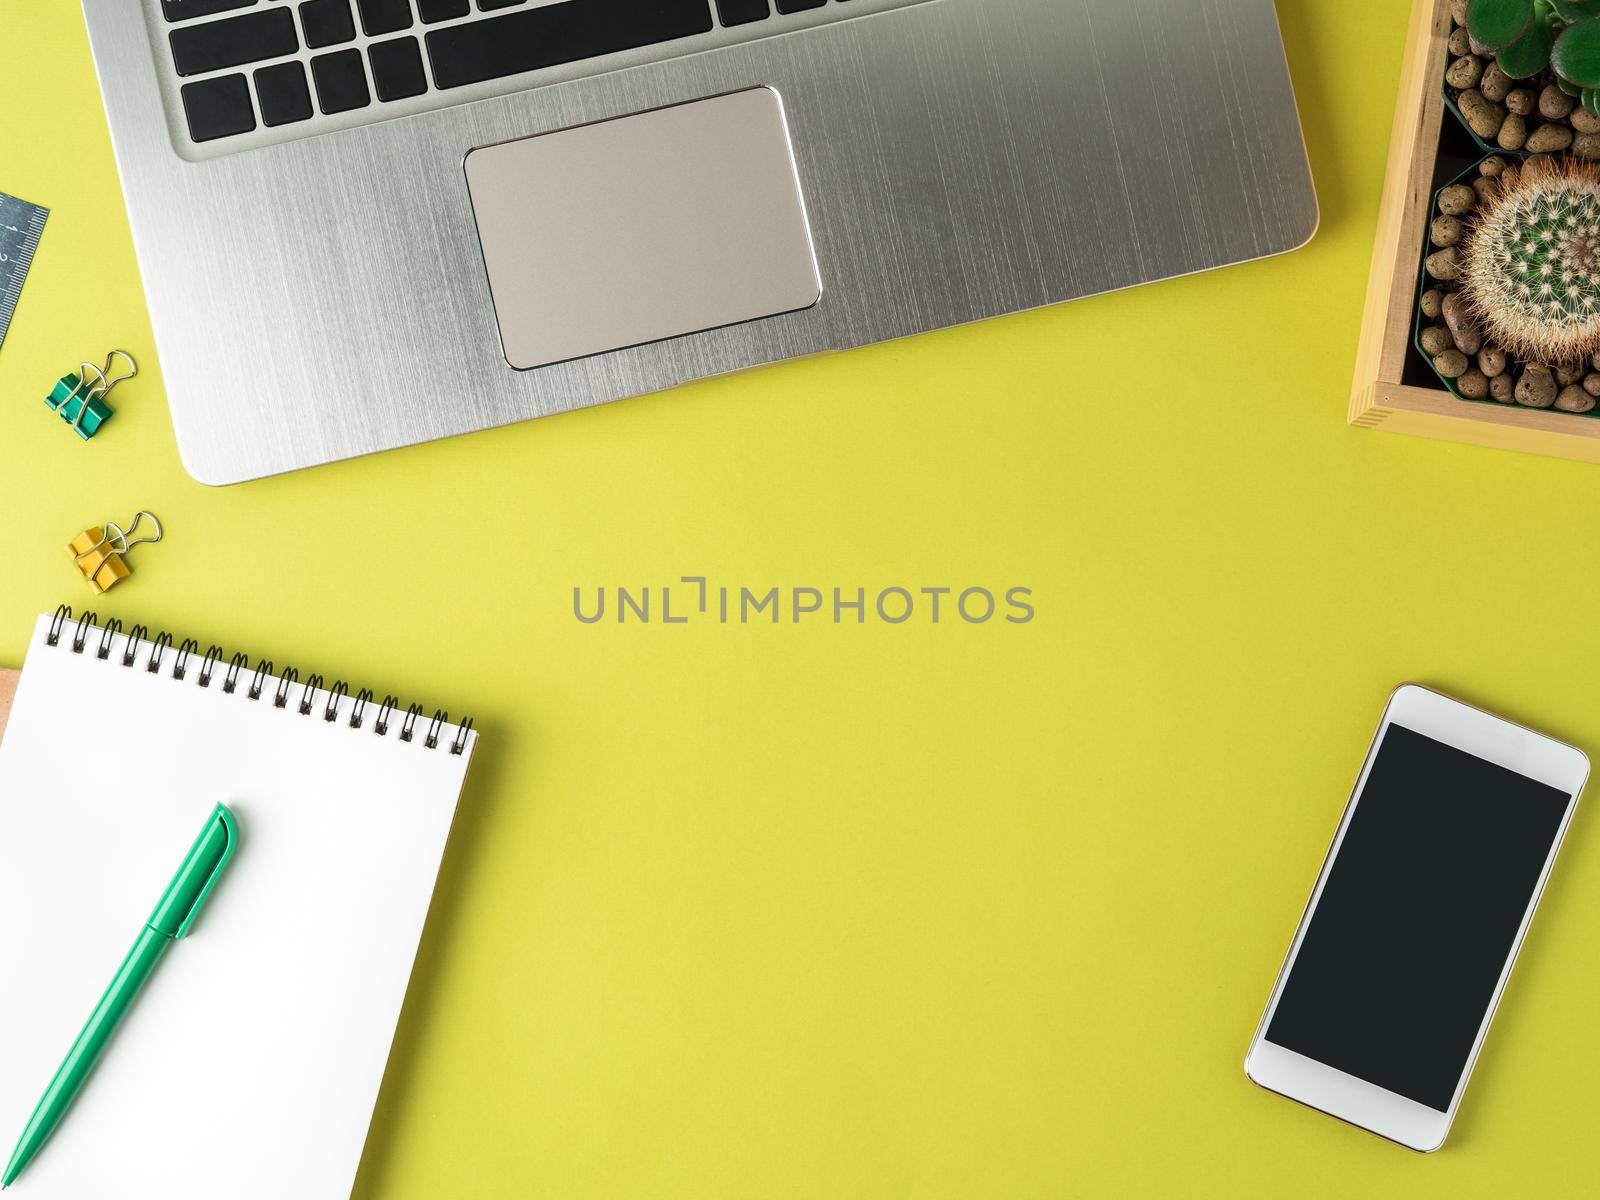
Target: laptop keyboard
251,71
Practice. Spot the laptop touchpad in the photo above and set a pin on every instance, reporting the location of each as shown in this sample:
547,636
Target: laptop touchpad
641,228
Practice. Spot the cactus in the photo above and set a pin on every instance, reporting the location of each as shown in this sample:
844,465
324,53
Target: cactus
1530,268
1526,36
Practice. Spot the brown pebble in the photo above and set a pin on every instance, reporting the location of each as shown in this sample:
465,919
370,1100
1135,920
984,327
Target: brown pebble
1467,70
1459,320
1495,84
1445,231
1554,103
1537,160
1513,133
1450,364
1501,388
1473,384
1492,166
1460,43
1569,374
1484,116
1442,264
1548,139
1594,360
1591,384
1458,11
1431,300
1484,186
1521,101
1457,199
1574,399
1586,145
1435,339
1536,388
1492,361
1583,120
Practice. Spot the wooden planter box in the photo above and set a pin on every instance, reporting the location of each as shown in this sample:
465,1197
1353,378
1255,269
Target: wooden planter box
1395,388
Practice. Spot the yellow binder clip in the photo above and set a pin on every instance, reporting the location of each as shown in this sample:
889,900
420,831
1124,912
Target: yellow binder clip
99,550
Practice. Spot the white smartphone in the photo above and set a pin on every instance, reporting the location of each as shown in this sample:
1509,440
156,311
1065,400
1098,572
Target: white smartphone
1416,917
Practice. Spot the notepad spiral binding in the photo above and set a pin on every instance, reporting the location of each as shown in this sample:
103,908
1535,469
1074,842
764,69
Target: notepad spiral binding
138,638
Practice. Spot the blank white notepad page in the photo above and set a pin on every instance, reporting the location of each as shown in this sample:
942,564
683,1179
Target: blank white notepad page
249,1066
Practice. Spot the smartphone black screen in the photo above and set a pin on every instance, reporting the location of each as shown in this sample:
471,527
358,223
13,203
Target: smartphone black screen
1417,917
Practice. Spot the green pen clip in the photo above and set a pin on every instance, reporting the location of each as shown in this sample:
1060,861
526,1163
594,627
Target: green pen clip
191,887
80,400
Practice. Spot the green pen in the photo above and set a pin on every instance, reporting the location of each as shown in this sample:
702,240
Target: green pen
182,901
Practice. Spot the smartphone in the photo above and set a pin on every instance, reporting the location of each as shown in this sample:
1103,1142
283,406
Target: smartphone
1416,918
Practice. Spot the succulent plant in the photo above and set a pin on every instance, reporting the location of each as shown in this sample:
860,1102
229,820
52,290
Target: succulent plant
1527,36
1530,267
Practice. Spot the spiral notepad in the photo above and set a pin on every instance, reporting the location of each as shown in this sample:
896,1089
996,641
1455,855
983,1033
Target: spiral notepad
250,1065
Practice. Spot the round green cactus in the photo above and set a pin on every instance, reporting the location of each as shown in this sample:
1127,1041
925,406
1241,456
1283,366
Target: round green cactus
1530,53
1498,23
1571,11
1531,265
1527,36
1576,53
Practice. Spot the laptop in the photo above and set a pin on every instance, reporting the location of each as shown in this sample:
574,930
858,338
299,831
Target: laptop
364,224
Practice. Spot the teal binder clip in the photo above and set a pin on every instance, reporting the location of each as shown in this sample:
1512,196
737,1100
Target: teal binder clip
80,400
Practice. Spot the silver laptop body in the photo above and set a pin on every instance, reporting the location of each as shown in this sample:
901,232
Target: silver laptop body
331,284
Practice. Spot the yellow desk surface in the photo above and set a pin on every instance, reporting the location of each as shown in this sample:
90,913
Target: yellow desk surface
919,911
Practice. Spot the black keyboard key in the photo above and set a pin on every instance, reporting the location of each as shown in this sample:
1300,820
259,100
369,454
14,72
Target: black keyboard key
397,69
384,16
557,33
327,23
282,93
187,10
742,12
794,6
442,10
197,49
491,5
341,81
218,108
